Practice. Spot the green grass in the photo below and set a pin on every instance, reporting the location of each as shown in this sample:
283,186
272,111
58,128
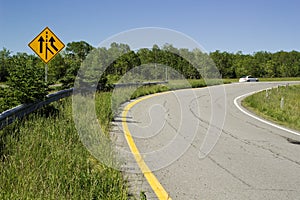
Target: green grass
146,90
42,157
269,107
280,79
175,85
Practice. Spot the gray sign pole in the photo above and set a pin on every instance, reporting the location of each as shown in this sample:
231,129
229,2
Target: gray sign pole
46,73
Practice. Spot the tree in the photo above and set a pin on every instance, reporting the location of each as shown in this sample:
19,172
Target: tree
4,64
270,69
74,55
57,68
224,62
243,64
146,56
79,49
26,79
126,62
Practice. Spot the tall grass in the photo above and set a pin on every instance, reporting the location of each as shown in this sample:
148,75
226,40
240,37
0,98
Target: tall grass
43,158
268,105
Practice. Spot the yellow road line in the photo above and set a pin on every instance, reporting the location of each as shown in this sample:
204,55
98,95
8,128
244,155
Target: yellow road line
151,178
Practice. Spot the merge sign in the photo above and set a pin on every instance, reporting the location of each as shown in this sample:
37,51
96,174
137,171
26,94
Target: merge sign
46,45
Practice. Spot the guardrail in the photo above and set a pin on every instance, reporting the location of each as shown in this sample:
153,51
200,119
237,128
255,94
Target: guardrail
18,112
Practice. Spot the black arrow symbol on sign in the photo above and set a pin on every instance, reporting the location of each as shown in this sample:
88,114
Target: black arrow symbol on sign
52,45
41,40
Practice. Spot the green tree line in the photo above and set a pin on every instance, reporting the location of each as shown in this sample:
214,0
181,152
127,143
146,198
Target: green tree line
22,75
231,65
260,64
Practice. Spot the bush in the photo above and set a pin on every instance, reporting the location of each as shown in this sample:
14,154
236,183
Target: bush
27,83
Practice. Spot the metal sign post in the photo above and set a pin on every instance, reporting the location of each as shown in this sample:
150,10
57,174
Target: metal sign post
46,73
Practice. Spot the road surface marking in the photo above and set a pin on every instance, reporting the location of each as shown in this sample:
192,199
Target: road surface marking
151,178
259,119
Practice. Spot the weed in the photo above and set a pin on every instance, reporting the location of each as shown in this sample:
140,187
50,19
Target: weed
270,106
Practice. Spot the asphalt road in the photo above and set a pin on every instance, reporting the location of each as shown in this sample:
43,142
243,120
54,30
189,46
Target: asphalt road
199,145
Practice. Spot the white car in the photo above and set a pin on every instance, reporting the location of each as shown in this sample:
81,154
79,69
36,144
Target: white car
248,79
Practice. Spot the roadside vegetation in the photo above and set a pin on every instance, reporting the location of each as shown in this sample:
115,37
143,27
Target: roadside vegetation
22,75
41,157
280,79
280,105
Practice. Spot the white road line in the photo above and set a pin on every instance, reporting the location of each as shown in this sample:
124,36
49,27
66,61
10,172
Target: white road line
259,119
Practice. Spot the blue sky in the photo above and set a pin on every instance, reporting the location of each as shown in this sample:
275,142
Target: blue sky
226,25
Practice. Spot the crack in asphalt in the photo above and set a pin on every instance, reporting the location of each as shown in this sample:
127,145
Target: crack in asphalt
248,142
273,189
276,154
229,172
210,157
262,128
204,123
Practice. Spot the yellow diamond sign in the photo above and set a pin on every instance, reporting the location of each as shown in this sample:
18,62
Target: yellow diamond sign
46,45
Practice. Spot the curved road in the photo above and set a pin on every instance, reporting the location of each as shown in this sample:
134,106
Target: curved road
251,159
